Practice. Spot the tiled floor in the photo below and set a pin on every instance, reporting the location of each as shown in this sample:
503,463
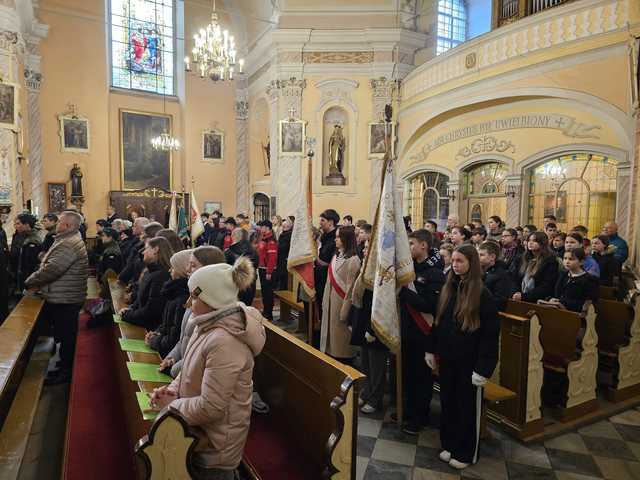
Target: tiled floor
609,449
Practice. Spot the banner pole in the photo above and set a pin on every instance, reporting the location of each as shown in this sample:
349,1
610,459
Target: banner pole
309,193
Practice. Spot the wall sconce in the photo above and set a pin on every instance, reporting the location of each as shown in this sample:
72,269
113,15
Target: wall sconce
451,194
511,191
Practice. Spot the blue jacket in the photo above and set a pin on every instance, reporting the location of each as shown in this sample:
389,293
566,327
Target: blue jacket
621,252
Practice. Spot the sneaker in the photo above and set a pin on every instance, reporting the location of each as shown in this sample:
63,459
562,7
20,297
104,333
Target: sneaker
457,465
445,456
361,402
368,409
411,428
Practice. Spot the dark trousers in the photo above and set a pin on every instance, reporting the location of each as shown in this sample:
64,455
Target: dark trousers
374,365
266,287
64,318
461,403
417,383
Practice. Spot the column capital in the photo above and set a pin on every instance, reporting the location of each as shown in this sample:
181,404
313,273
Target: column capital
33,79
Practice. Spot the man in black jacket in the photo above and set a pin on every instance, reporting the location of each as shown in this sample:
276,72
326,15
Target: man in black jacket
418,308
327,249
496,277
49,222
27,260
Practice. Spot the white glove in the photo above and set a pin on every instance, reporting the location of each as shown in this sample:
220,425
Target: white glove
430,358
478,380
369,338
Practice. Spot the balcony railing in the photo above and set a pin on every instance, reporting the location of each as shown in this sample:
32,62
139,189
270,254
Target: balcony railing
507,11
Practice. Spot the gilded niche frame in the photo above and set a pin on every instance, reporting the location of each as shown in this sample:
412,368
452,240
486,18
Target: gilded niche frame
149,125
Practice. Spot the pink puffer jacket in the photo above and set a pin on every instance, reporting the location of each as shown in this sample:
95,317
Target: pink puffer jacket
215,385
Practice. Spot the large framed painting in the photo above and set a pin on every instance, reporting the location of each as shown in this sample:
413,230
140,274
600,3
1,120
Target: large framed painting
57,193
74,134
292,137
376,139
8,106
142,166
213,146
210,207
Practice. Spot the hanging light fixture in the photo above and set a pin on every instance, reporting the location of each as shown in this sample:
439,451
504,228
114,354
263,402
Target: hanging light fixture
165,141
214,52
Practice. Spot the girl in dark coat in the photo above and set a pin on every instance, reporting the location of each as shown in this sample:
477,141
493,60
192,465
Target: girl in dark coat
465,338
241,246
284,244
176,293
575,286
538,271
602,252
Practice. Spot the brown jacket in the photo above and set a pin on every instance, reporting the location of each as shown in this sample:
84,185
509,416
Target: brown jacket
215,385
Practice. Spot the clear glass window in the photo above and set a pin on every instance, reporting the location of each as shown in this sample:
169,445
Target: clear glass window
452,24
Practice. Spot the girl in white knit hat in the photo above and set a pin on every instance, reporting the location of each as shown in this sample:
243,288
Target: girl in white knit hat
214,388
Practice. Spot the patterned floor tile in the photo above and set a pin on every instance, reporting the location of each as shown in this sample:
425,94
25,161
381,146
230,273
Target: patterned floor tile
361,467
429,437
630,433
487,468
608,447
369,427
613,469
573,462
397,452
422,474
519,471
573,476
635,448
601,429
379,470
529,455
571,442
428,459
491,448
630,417
391,431
365,446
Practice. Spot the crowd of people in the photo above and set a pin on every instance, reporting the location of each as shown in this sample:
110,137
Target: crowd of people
195,301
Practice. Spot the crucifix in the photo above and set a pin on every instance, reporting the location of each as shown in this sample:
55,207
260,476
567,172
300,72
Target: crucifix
292,114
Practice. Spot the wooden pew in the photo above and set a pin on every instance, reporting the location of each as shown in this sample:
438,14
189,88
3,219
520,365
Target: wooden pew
21,379
618,328
288,300
520,370
559,334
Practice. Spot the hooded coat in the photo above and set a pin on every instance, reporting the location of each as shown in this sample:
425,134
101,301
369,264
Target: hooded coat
176,293
215,385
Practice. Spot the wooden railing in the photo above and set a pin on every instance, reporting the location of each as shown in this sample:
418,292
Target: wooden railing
507,11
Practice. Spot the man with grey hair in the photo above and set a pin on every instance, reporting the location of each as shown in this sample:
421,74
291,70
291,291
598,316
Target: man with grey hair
62,281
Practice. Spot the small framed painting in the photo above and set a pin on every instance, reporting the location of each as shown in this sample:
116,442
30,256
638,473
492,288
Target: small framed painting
210,207
292,137
376,138
213,146
8,106
57,194
74,134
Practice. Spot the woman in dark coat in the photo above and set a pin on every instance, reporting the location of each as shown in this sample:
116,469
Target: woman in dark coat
284,244
240,246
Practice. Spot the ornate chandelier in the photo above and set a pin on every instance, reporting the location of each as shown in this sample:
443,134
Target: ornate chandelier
214,52
165,142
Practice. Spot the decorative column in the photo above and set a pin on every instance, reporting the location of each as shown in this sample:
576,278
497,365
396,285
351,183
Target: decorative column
381,95
242,146
286,170
33,80
453,192
623,187
513,191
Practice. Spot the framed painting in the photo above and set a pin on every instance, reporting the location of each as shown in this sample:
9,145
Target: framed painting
8,106
57,194
376,139
141,166
292,137
556,205
213,146
210,207
74,134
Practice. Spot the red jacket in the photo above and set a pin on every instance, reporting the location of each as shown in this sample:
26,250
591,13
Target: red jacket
227,241
268,253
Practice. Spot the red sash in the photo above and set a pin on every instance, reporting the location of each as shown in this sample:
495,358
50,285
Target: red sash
421,319
334,282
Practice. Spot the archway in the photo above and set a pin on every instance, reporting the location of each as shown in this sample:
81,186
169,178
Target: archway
260,207
484,191
428,198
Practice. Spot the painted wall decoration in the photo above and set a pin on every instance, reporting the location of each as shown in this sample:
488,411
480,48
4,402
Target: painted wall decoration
57,194
141,166
8,106
74,134
212,146
376,138
292,137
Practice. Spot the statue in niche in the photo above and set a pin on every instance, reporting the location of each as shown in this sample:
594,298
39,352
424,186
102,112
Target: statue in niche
76,181
337,144
267,156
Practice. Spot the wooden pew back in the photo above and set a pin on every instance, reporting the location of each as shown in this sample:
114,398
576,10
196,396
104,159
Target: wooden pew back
613,324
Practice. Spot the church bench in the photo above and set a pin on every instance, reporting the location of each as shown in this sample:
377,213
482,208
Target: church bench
569,342
618,328
520,370
607,293
288,300
21,379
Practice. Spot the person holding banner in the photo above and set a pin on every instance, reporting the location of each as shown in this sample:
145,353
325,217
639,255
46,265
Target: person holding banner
465,337
343,270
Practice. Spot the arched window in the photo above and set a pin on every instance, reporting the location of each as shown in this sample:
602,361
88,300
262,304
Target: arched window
142,36
452,24
579,189
484,186
428,198
260,207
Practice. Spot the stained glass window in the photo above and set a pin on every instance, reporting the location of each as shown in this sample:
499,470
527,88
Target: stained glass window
428,198
142,45
452,24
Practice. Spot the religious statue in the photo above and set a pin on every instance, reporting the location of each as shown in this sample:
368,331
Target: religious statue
336,151
76,181
267,152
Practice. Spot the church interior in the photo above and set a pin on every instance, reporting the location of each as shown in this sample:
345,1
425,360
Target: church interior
288,193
